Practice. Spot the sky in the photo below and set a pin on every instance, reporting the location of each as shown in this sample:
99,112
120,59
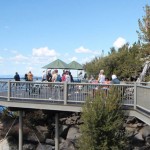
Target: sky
34,33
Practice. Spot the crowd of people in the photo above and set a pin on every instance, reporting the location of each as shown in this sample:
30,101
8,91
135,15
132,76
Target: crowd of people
54,76
27,77
102,79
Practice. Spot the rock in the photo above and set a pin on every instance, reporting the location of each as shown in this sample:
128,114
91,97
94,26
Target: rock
139,137
79,121
69,121
145,131
42,128
73,133
4,145
1,126
62,119
131,119
42,133
63,130
29,147
50,141
44,147
61,140
67,145
32,138
147,139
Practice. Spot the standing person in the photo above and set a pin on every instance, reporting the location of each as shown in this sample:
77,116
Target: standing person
68,79
17,77
71,77
80,76
44,76
56,77
30,76
63,78
91,79
85,75
101,77
26,77
49,76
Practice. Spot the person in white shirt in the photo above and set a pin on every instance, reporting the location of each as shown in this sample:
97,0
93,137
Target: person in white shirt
44,76
101,77
67,76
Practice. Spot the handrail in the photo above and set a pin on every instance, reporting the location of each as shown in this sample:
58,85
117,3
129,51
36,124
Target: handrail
69,93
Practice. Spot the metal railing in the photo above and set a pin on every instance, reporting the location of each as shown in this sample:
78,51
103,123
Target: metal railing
135,95
143,97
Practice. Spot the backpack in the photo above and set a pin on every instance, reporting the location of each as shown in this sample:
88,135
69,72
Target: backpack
58,79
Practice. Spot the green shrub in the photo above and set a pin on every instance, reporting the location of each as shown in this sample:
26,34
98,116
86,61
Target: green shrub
103,123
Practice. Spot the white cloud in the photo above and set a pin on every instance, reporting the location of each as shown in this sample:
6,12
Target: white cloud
119,42
81,49
14,51
43,51
87,59
19,58
66,54
73,59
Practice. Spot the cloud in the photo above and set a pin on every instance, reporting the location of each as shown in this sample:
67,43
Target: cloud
1,59
119,42
43,51
14,51
87,59
81,49
73,59
19,58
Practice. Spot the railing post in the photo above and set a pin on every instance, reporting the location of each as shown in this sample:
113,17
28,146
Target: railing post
135,95
65,93
56,131
9,90
20,130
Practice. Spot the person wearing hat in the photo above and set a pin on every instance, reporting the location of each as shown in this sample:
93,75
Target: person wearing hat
115,80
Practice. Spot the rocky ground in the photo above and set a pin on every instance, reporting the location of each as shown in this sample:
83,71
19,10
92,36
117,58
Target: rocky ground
41,137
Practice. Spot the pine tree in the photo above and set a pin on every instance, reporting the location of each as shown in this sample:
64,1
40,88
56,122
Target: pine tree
144,26
103,123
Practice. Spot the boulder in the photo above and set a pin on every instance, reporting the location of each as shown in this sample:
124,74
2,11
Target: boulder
67,145
29,147
50,142
145,131
63,131
73,133
4,145
44,147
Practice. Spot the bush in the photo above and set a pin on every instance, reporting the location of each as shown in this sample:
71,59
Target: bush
103,123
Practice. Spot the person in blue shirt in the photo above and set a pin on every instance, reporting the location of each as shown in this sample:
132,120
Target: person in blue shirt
17,77
115,80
